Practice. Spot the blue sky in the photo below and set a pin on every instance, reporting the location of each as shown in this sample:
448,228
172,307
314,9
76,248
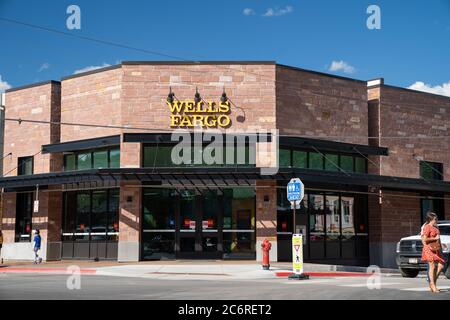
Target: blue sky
412,46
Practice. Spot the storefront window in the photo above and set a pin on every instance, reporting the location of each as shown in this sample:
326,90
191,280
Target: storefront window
316,225
24,209
101,159
285,158
239,222
114,158
333,229
360,165
98,159
315,161
331,162
69,162
159,209
84,161
300,159
347,163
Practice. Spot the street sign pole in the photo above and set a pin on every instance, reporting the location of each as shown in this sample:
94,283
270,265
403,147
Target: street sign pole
296,192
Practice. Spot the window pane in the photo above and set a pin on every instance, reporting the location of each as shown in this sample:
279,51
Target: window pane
114,158
159,209
83,211
101,159
187,213
239,204
99,215
347,163
315,161
25,166
331,162
113,213
84,161
157,156
300,159
332,227
360,165
69,162
285,158
431,170
24,209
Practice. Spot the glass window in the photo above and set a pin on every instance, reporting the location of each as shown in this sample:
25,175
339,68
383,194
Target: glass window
331,162
160,156
210,200
113,213
187,210
84,161
24,209
434,205
25,166
285,158
82,219
69,162
101,159
99,215
315,161
360,165
347,163
114,158
159,209
300,159
431,170
239,208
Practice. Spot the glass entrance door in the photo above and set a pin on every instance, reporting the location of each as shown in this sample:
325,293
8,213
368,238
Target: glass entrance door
199,216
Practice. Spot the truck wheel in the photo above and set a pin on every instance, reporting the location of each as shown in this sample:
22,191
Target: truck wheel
409,273
447,272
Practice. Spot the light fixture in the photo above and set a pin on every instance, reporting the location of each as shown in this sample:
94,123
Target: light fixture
224,97
170,96
198,98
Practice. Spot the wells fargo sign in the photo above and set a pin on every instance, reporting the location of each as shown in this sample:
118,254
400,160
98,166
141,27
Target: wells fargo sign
190,114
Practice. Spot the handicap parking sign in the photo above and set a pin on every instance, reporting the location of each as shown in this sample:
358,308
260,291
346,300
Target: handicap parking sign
295,190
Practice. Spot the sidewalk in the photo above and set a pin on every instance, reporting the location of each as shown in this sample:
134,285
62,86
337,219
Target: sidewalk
186,269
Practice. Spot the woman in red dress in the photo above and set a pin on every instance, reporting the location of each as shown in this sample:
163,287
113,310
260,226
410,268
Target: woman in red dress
434,259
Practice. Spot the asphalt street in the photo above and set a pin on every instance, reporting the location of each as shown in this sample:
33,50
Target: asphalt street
48,287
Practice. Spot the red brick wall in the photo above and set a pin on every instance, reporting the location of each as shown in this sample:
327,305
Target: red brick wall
25,139
250,87
266,211
91,99
316,105
415,116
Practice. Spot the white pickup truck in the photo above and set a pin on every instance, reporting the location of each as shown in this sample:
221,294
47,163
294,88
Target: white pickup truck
409,252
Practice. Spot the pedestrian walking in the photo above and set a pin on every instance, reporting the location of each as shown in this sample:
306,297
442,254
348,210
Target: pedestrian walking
1,244
431,252
423,245
37,247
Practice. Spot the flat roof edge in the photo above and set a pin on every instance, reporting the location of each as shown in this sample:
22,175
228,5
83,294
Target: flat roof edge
212,62
86,73
32,85
322,73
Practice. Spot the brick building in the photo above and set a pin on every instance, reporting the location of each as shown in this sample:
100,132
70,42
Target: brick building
96,150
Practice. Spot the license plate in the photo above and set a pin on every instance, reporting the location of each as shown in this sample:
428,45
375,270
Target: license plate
413,260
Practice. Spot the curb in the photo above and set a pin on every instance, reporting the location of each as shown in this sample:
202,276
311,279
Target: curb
47,270
326,274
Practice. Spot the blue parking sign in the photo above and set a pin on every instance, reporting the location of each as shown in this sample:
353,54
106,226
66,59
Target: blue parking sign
295,190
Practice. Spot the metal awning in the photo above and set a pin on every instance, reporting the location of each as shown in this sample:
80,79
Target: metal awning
82,144
219,177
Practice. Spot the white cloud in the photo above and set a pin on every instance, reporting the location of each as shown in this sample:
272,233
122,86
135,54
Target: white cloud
4,85
248,12
443,89
343,66
91,68
278,12
44,66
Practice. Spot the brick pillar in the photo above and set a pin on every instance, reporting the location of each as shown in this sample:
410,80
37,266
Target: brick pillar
8,223
54,223
266,217
130,221
375,228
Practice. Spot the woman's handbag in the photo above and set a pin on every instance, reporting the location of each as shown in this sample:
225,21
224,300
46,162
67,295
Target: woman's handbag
435,246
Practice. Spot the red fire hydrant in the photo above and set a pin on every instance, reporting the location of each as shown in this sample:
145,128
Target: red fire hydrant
266,246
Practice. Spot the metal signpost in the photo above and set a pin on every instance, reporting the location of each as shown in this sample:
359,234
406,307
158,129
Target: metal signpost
295,194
